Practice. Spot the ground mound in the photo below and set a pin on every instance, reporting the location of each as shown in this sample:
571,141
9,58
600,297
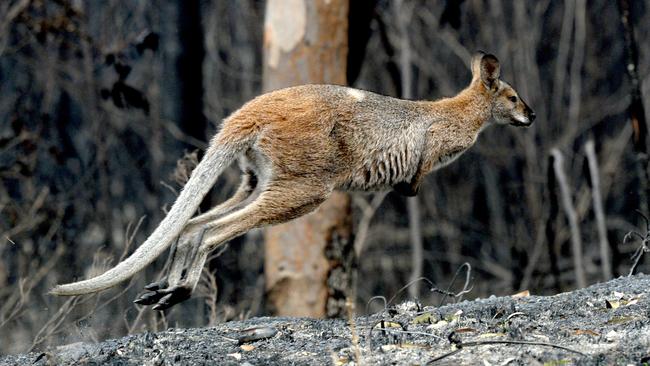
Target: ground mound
608,324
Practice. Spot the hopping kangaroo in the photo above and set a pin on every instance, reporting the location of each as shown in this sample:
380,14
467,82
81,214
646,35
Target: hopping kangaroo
297,145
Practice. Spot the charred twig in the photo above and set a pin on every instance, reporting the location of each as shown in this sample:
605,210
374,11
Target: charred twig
415,332
454,339
433,288
483,343
396,330
130,236
409,284
466,287
14,305
54,322
645,239
209,289
379,297
385,330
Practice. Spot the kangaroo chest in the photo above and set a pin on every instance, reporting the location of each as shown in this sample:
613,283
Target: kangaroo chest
381,169
446,157
444,145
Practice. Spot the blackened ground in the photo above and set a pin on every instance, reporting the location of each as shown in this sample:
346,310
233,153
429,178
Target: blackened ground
608,323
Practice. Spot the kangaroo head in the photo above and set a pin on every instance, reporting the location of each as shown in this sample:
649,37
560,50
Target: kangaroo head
507,105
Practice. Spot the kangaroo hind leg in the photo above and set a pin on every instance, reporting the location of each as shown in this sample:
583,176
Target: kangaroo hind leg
181,253
277,204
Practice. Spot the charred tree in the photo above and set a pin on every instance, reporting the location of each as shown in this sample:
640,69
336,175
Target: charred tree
189,66
551,223
308,262
636,111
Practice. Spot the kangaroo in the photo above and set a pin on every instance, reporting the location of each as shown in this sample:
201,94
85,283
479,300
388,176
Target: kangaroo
295,146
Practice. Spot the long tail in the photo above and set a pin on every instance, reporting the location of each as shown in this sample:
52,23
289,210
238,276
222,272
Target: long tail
204,176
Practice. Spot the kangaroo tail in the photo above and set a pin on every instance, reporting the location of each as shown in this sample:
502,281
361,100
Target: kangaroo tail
204,176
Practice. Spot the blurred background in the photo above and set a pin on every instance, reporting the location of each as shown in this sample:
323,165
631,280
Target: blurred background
105,107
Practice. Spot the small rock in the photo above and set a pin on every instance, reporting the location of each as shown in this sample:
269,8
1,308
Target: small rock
612,336
236,356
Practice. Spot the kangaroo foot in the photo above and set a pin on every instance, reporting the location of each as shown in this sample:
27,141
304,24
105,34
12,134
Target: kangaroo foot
151,296
163,296
173,296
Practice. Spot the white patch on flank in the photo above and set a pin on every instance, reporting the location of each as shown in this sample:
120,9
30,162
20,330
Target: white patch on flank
357,94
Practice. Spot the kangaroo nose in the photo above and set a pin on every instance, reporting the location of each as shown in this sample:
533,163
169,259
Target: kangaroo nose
532,116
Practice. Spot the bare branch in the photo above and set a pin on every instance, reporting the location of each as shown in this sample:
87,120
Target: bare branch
562,57
599,210
569,209
368,212
645,240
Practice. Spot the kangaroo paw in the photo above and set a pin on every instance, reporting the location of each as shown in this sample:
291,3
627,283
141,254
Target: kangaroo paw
172,296
156,285
148,298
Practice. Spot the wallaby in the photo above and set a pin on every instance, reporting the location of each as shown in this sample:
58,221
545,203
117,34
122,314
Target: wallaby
297,145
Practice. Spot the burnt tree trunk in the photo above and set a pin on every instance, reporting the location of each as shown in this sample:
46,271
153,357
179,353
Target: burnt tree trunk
308,262
551,224
189,66
636,110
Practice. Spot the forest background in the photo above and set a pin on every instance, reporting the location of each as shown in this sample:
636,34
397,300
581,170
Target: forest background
106,105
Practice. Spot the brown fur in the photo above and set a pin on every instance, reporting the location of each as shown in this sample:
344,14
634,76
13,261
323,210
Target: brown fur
297,145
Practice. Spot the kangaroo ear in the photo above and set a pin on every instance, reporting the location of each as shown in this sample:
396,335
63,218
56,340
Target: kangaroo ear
475,64
486,67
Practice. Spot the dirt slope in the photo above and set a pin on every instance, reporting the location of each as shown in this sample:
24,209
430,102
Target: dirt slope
608,324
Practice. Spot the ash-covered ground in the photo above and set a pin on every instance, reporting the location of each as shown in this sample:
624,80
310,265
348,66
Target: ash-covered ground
605,324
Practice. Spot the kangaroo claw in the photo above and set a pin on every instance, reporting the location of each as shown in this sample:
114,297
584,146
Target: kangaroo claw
156,285
148,298
172,296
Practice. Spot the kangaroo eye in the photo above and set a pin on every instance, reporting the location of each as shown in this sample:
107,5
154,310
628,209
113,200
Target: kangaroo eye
513,99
